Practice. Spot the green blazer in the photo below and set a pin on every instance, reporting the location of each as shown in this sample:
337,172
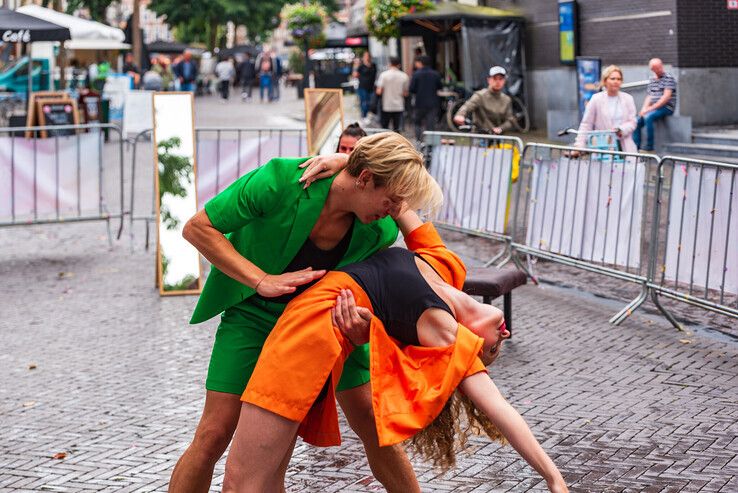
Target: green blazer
267,216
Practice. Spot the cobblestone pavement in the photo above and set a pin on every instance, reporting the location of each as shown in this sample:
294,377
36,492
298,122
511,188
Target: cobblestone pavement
101,385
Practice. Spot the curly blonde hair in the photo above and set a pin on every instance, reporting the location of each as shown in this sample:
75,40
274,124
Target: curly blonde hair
438,442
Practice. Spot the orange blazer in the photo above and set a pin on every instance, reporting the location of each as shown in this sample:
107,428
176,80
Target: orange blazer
410,384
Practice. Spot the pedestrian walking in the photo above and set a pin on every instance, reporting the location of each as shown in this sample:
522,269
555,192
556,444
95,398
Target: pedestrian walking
246,74
366,72
265,78
186,72
393,85
225,71
424,85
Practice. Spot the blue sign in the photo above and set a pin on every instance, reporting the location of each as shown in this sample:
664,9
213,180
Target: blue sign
588,80
567,31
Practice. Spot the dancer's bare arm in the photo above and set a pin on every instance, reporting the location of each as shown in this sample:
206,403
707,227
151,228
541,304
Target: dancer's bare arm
321,167
488,399
220,252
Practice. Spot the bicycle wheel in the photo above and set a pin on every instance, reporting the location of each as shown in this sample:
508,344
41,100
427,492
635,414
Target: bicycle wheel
453,107
521,115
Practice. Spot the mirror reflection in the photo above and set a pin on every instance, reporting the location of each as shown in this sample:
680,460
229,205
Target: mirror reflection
324,119
178,263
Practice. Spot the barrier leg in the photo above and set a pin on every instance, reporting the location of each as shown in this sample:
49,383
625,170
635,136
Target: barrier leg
630,307
110,233
525,269
495,258
665,312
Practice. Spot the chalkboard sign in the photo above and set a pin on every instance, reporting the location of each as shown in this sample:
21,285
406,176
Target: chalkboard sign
91,106
57,112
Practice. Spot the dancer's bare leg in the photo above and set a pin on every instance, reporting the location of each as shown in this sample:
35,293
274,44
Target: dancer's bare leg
260,444
282,472
194,470
389,465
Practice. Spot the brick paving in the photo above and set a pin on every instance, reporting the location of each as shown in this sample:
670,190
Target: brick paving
97,366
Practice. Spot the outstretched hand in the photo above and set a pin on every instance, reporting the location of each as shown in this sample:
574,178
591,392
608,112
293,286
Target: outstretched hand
352,320
273,286
321,167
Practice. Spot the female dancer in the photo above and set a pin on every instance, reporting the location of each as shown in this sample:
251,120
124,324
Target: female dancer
415,299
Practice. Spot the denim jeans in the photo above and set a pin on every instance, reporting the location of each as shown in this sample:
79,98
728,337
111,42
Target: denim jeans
364,98
648,121
265,82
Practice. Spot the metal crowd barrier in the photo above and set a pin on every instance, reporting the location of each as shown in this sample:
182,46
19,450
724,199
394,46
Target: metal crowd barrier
222,155
696,236
475,172
59,178
593,212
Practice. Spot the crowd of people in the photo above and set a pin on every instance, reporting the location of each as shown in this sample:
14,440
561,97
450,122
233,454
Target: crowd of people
184,73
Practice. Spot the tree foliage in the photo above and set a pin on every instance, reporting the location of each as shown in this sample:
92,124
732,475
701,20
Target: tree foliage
96,8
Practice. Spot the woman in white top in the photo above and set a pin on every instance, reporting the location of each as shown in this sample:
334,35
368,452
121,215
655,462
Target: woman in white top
610,109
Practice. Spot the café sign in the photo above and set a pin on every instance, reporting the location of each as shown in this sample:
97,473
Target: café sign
20,36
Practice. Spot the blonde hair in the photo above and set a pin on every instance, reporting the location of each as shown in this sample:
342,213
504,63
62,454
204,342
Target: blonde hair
609,70
438,442
395,164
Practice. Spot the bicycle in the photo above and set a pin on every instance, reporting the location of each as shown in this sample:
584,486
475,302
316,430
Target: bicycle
596,140
454,103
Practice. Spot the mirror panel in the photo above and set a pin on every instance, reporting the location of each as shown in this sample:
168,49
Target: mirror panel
324,119
178,262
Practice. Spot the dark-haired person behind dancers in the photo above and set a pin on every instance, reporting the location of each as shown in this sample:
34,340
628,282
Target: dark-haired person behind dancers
427,338
349,137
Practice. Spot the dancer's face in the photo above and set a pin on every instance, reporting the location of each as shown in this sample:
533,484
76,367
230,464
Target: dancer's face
347,144
372,202
487,322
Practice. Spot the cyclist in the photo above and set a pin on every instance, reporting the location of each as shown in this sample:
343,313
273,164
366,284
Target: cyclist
492,109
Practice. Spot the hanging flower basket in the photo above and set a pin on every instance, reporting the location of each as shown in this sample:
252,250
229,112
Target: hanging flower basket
304,21
383,16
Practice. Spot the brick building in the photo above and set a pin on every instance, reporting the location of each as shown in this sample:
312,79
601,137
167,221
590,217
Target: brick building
698,41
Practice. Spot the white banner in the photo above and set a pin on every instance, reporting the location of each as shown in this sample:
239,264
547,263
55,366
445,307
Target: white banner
699,205
475,183
219,163
138,112
69,182
589,210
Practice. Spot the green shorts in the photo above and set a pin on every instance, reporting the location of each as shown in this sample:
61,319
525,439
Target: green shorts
241,334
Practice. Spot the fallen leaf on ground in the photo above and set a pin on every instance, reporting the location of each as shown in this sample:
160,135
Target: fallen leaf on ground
29,403
685,341
65,275
60,455
32,366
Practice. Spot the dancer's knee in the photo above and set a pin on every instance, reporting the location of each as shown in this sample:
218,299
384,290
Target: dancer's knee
211,440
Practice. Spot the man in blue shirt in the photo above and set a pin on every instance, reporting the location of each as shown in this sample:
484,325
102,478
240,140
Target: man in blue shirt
186,72
660,102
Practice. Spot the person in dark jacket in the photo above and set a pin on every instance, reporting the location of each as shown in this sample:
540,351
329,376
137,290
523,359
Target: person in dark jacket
366,72
246,74
186,72
424,85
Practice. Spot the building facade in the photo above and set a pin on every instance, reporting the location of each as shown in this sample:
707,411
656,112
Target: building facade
697,41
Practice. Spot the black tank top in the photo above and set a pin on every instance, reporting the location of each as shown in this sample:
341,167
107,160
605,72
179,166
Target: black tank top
397,290
310,255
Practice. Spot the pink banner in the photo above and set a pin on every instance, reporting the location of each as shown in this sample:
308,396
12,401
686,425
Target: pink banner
220,162
50,178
